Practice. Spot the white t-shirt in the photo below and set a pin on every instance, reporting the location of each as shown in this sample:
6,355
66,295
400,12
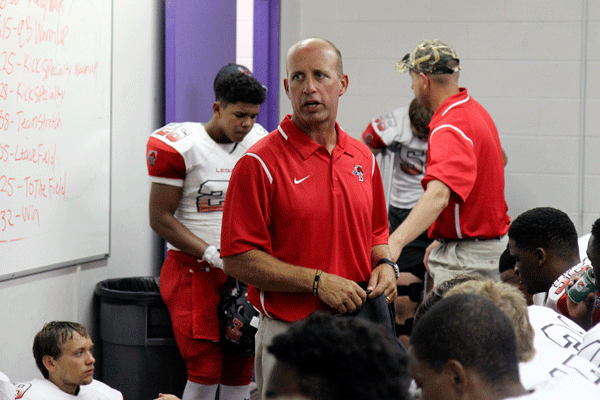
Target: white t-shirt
43,389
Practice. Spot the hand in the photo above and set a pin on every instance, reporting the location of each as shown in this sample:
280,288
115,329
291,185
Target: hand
383,281
581,313
162,396
432,246
340,293
211,255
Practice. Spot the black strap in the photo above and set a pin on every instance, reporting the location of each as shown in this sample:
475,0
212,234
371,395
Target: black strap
414,291
405,329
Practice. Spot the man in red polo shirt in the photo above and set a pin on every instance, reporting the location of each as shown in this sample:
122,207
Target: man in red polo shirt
463,204
305,216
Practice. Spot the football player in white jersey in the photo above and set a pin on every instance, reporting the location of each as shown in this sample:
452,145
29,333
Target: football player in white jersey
190,165
63,354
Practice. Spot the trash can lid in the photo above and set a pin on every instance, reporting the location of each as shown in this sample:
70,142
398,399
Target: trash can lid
141,289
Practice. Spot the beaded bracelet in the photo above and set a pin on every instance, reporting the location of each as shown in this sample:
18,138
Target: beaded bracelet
316,283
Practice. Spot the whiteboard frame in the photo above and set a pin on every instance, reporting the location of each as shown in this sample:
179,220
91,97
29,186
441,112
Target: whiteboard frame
102,256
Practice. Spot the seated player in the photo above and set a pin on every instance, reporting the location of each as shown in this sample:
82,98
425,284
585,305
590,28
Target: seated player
464,347
63,354
547,341
325,357
543,242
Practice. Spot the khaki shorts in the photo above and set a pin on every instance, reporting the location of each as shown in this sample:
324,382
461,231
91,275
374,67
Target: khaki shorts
264,361
466,257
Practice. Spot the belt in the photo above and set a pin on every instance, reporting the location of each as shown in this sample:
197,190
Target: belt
474,239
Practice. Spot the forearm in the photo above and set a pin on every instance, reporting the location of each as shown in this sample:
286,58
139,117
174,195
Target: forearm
378,252
174,232
266,272
428,208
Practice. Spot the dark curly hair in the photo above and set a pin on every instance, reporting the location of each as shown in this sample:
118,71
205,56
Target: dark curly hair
239,87
545,227
343,358
49,341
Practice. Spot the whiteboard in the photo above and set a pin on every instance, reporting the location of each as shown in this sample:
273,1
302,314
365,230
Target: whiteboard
55,118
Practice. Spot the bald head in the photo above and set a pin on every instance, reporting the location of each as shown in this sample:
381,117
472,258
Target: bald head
315,43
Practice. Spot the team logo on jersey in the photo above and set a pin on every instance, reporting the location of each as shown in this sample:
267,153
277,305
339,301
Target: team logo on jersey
358,171
151,157
368,138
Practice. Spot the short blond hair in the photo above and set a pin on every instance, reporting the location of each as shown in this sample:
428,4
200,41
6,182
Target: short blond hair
512,303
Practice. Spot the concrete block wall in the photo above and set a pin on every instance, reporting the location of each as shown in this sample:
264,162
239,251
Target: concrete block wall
534,64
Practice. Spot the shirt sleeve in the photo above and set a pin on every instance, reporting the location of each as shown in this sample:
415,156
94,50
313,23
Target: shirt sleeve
451,160
163,161
246,213
372,138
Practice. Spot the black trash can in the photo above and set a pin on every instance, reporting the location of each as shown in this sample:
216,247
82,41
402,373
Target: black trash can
139,354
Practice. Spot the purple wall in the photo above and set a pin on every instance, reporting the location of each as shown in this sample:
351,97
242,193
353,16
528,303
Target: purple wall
266,58
200,38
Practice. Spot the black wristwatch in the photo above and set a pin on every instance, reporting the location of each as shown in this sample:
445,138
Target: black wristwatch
390,263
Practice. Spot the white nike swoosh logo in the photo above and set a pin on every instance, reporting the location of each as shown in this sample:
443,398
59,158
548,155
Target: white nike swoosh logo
296,181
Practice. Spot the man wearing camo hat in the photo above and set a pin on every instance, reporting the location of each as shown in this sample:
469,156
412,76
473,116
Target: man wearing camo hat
463,204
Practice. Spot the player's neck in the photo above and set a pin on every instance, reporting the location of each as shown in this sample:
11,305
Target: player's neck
215,132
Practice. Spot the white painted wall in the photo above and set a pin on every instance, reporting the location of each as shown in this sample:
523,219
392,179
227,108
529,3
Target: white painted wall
244,33
137,104
534,64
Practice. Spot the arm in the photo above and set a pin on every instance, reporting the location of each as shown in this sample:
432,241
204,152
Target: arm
428,208
164,200
266,272
383,277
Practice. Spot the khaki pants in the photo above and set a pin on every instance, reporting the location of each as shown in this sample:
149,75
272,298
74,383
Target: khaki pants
264,361
466,257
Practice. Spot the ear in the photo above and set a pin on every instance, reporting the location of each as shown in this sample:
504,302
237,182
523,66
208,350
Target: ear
344,83
286,86
216,109
457,375
49,363
541,255
425,79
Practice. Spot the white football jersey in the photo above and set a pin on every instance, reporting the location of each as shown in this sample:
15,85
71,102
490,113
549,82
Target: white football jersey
590,349
404,158
7,390
208,167
562,388
43,389
557,342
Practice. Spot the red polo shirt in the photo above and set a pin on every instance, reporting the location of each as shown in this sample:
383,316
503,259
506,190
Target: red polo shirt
292,199
465,154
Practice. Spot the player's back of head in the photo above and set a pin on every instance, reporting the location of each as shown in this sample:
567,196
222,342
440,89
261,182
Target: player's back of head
343,358
511,302
471,330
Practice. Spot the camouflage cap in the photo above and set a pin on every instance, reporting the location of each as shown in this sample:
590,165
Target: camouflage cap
430,57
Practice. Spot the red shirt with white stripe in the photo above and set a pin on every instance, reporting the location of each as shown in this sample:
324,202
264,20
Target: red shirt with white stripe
465,154
293,200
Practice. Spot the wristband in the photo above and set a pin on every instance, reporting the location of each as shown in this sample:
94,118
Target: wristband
391,264
316,282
